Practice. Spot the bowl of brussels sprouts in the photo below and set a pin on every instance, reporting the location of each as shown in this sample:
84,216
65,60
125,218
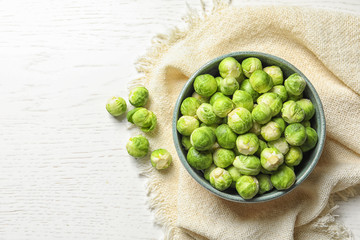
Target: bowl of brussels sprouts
249,127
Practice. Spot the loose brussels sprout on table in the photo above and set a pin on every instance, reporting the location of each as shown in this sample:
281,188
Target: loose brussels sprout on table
143,118
138,146
138,96
116,106
247,134
160,159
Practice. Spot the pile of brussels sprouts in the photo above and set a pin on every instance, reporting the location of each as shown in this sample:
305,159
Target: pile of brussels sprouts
138,146
247,128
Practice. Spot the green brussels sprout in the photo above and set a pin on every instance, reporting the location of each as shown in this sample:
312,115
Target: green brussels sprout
280,91
228,85
230,67
215,96
249,65
220,179
256,128
271,159
206,114
243,99
247,186
280,122
275,73
295,134
212,126
272,100
226,138
246,86
185,141
261,81
202,138
205,85
294,98
291,112
186,125
262,146
208,171
262,113
283,178
306,123
308,107
222,106
311,139
240,120
235,175
247,143
160,159
217,79
271,131
223,157
189,106
200,98
137,146
295,84
199,160
116,106
247,165
280,144
265,184
142,118
293,156
138,96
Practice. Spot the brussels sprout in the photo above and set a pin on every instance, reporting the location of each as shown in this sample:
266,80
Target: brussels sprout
137,146
295,84
261,81
256,128
228,85
225,136
116,106
308,107
271,131
223,157
246,86
280,144
283,178
212,126
138,96
230,67
249,65
265,184
271,159
218,79
235,175
291,112
311,139
160,159
208,171
261,113
293,157
295,134
247,186
280,122
306,123
142,118
189,106
199,160
205,85
247,144
206,114
247,165
186,125
243,99
200,98
275,73
294,98
185,141
203,138
222,106
280,91
262,146
240,120
215,97
220,179
272,100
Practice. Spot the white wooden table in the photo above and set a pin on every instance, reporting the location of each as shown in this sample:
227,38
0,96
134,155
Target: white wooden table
64,171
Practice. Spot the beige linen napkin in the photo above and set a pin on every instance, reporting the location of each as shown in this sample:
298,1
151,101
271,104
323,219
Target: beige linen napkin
325,46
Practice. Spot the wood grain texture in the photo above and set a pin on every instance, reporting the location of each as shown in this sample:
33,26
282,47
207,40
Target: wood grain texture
64,171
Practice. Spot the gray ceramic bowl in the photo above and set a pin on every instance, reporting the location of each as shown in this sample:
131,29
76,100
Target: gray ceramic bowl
310,158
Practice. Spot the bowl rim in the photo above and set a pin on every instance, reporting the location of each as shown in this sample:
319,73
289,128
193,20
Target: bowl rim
273,194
